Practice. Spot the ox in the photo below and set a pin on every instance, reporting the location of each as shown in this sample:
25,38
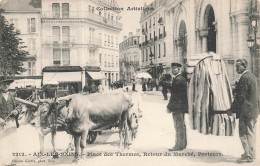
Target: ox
50,118
98,112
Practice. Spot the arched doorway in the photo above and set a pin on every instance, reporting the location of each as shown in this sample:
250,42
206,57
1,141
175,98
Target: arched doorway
209,19
182,43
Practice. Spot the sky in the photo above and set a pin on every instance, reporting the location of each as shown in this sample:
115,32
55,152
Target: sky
130,19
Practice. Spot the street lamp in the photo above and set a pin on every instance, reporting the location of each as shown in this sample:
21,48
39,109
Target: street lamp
253,41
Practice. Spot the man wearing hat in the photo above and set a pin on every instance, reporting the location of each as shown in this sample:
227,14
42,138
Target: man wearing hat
7,100
178,106
246,107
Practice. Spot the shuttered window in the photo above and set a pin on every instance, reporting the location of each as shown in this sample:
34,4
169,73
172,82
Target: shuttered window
31,25
65,10
56,10
56,57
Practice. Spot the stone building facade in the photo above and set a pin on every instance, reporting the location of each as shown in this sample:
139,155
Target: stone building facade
198,26
129,56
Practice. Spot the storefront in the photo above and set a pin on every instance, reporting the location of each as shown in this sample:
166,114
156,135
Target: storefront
69,78
93,74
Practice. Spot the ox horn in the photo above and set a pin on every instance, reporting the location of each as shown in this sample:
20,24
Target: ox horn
26,102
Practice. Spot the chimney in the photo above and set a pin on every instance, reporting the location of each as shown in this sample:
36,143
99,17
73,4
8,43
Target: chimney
130,34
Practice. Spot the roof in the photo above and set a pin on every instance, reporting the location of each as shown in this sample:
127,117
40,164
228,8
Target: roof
21,5
61,68
92,68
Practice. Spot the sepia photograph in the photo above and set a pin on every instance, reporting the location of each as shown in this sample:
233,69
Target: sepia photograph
129,82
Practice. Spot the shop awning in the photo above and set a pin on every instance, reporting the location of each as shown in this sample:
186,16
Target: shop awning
51,77
22,83
96,75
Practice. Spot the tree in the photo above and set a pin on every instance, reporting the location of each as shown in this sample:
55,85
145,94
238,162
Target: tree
12,54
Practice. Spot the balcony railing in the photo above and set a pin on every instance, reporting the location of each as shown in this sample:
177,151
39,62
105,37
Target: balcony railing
68,41
80,15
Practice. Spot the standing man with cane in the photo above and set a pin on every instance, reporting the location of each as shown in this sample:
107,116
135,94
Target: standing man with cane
178,106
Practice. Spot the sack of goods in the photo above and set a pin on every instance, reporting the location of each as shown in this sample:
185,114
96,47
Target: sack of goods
209,95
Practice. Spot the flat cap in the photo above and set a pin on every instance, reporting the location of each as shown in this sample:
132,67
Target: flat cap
176,65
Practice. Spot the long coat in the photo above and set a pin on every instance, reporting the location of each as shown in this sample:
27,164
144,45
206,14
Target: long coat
179,100
6,106
246,99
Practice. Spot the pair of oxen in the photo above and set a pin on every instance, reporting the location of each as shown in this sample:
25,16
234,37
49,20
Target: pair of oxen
79,114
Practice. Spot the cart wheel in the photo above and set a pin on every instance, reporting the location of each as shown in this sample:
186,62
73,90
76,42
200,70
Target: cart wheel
92,135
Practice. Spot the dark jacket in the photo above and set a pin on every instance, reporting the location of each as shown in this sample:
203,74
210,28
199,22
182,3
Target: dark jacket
93,88
246,99
6,106
179,100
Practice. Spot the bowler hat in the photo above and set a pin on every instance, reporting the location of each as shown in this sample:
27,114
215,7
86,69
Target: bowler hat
176,65
4,78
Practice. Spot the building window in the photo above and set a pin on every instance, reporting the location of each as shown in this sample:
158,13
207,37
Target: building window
116,42
56,34
164,50
56,57
108,16
112,17
112,41
93,10
108,61
32,46
65,10
65,57
56,10
14,21
112,61
99,13
146,55
154,52
105,39
31,24
159,50
116,76
105,60
89,8
108,43
31,69
143,56
105,79
65,34
100,58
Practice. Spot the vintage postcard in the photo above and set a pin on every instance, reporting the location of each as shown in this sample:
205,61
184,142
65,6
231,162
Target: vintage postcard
129,82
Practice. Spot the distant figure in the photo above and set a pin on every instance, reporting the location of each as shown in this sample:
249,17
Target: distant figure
144,87
133,87
164,90
86,88
93,88
100,88
127,89
72,90
112,85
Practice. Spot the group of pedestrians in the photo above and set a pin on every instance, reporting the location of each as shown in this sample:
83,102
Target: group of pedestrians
245,105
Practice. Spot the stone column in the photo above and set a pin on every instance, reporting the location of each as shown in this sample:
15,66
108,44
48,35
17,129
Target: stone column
242,46
198,41
204,35
234,41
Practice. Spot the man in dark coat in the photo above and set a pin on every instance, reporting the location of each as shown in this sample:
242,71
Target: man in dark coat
245,105
164,90
93,88
7,102
178,106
